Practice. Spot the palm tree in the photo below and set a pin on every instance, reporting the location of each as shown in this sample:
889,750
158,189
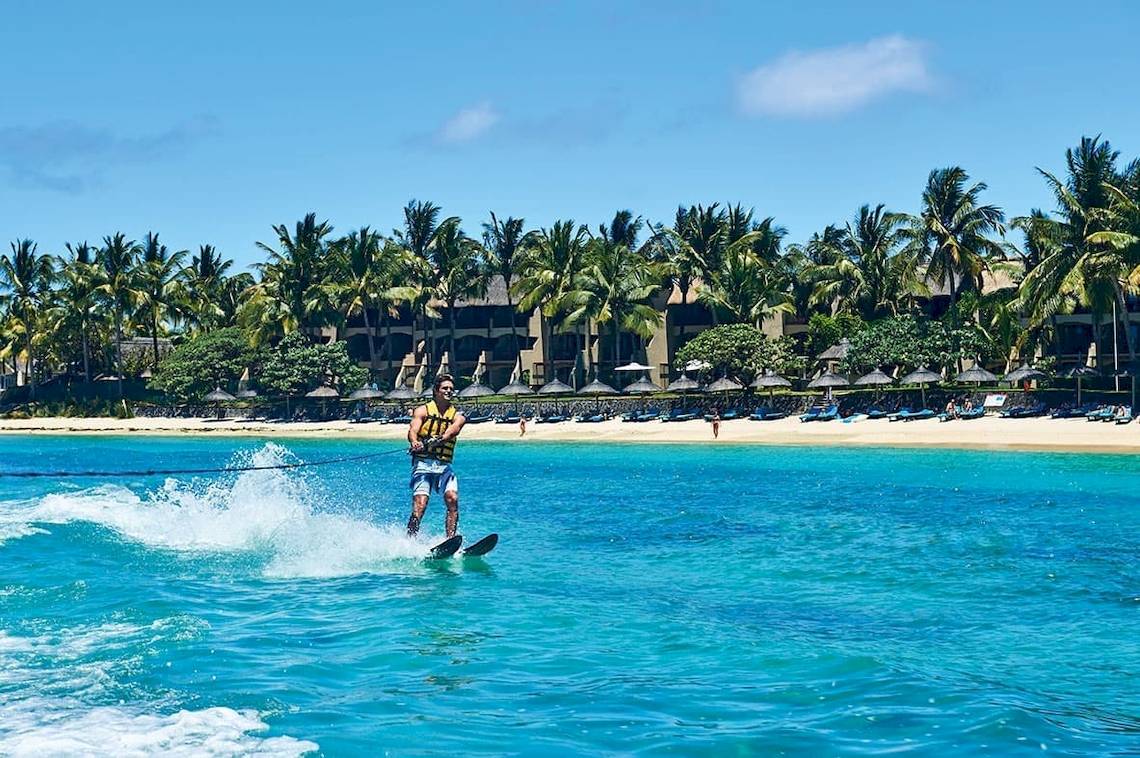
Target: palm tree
162,295
1086,262
615,287
421,223
117,260
78,295
502,241
25,279
870,274
950,233
799,266
369,268
549,261
293,291
204,278
693,246
461,272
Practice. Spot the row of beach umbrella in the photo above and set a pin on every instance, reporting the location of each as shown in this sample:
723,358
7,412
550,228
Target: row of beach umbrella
684,383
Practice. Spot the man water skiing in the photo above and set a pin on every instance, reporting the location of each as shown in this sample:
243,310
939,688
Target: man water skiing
432,436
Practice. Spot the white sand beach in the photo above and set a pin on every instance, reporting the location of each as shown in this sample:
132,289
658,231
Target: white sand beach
990,433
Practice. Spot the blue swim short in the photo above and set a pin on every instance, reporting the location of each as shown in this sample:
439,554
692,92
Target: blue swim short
429,476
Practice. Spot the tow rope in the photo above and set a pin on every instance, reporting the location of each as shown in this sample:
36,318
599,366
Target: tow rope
169,471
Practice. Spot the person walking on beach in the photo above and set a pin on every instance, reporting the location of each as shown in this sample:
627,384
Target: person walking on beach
716,422
432,434
522,425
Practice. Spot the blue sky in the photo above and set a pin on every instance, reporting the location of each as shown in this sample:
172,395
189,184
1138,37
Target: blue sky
210,122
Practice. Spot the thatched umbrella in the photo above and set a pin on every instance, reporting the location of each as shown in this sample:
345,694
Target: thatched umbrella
771,380
683,384
597,389
1024,373
365,393
724,384
976,374
555,388
836,352
324,393
641,387
475,390
217,397
401,392
921,376
874,379
1079,372
515,389
828,380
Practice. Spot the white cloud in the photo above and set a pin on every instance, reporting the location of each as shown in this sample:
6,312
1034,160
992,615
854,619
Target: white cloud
468,124
834,80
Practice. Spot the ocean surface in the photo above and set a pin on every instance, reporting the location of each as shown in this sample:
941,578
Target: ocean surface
644,600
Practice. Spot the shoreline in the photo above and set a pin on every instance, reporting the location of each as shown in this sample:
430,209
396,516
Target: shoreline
990,433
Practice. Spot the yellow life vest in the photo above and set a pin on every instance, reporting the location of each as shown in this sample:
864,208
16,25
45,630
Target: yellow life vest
435,425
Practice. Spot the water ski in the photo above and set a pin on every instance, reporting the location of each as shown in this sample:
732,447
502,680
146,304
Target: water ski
446,549
483,546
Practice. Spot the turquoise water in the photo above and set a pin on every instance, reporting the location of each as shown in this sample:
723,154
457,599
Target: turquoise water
644,600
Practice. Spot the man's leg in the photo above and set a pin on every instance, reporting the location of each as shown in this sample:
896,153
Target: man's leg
451,499
419,505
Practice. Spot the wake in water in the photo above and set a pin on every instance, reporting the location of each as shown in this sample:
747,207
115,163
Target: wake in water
268,514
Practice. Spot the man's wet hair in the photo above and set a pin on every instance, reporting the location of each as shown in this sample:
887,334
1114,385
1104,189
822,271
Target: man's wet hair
441,379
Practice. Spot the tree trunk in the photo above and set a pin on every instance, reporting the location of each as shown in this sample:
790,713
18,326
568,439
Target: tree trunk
544,328
388,340
514,329
1096,338
1123,308
31,369
617,343
371,344
154,335
119,349
454,367
86,350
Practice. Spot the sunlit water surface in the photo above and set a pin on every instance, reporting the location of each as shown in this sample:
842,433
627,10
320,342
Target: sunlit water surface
644,600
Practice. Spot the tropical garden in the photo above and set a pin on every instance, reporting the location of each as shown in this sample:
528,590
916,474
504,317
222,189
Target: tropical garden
957,281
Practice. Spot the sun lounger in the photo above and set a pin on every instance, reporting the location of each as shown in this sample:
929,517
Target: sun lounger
509,418
877,413
972,414
680,414
1078,412
813,413
481,419
1104,413
829,414
764,413
595,418
908,415
896,416
1124,417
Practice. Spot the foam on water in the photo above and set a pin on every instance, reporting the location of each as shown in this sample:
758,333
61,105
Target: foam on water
271,513
38,727
34,721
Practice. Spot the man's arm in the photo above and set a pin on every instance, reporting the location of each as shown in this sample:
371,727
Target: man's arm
418,418
454,428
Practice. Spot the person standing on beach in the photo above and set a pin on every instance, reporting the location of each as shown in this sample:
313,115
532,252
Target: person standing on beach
432,434
716,422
